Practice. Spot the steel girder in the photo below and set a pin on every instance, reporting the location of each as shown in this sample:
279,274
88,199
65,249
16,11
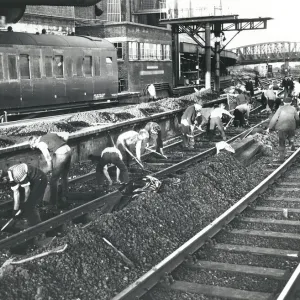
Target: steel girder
268,52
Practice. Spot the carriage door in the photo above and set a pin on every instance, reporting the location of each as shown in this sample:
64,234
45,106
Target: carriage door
25,79
59,77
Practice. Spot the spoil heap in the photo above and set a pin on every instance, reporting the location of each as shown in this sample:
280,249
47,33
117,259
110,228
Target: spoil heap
146,231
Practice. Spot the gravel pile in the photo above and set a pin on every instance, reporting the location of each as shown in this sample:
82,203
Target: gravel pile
91,118
146,231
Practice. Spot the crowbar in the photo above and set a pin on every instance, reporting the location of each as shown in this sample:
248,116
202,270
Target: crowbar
156,152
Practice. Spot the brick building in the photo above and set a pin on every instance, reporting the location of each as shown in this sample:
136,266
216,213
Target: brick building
144,48
55,19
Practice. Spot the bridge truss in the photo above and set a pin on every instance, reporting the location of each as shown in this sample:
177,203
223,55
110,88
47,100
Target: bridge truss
268,52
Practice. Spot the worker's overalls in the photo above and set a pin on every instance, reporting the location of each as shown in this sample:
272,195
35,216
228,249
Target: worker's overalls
61,162
38,183
114,159
216,122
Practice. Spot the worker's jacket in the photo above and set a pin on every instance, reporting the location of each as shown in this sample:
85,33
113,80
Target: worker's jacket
285,118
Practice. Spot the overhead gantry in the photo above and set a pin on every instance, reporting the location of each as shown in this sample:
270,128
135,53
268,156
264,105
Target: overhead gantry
195,26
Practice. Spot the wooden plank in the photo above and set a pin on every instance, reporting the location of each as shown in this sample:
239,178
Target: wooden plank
271,221
287,189
216,291
290,183
270,234
257,250
276,209
243,269
287,199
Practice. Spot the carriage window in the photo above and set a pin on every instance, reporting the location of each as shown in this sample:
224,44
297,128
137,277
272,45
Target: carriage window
87,64
97,63
109,66
69,67
12,67
58,66
1,67
48,66
24,66
36,68
79,66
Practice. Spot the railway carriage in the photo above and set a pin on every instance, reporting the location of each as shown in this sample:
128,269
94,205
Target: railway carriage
49,71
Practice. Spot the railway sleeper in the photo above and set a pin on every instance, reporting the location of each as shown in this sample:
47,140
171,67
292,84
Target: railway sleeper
241,277
258,256
287,226
260,238
214,291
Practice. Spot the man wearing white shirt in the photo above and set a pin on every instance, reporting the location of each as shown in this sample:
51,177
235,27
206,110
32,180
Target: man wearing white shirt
216,120
240,112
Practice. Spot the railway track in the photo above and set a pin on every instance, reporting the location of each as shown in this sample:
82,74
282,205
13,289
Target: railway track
250,252
88,202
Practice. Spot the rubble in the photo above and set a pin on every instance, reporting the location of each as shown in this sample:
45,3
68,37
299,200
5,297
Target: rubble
151,227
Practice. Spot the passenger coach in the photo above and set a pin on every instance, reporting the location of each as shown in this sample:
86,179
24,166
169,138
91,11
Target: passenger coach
48,71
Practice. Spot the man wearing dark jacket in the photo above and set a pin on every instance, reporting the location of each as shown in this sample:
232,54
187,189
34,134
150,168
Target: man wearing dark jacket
285,121
34,183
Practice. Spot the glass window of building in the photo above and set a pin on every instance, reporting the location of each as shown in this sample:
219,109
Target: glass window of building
114,10
142,51
159,52
167,53
133,50
119,47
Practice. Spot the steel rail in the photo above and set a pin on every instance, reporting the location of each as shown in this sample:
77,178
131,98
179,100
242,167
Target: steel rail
105,202
6,205
293,284
153,276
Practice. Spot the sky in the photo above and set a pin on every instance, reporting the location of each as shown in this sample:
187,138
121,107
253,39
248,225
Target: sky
284,26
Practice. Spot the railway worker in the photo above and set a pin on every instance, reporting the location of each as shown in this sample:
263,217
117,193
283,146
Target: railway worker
270,96
239,114
242,98
110,156
256,80
34,182
130,142
216,120
187,124
155,138
58,157
285,122
249,87
204,117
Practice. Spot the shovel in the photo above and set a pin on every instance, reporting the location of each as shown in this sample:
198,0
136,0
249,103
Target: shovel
11,220
140,164
152,151
230,121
